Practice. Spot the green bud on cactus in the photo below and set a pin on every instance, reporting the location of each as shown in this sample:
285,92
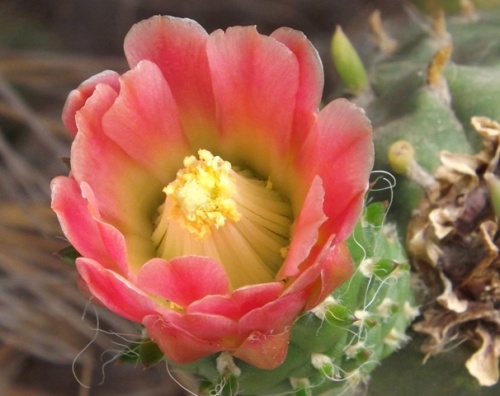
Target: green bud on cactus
347,62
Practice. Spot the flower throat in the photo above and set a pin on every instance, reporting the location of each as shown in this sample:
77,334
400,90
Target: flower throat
213,210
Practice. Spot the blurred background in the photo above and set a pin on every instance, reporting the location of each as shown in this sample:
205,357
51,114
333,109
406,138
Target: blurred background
50,337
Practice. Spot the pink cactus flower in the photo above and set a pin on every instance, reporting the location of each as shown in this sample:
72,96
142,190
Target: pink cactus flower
209,199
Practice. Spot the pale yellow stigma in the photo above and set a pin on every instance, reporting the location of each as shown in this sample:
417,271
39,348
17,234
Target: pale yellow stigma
202,195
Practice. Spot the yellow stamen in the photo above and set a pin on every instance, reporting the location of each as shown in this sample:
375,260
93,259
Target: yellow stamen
202,194
226,214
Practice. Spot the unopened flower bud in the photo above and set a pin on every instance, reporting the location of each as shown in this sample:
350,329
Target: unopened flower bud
347,62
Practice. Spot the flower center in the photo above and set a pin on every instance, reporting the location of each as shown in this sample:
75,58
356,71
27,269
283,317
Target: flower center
201,195
229,215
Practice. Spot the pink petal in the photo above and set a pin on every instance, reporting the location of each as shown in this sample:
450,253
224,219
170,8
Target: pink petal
327,269
306,230
76,221
212,328
349,217
275,316
264,351
310,269
240,302
114,177
342,148
178,345
183,280
144,122
252,297
336,268
255,81
77,98
114,291
222,305
113,239
178,47
83,226
310,84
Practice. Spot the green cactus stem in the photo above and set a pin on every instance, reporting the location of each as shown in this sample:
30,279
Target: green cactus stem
444,73
426,92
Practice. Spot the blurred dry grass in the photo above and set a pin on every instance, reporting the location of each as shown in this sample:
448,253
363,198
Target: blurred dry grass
47,48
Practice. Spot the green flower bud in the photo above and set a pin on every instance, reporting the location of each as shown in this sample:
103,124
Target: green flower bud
347,62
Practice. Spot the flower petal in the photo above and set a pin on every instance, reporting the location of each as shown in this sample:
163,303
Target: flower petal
275,316
178,47
177,344
114,177
183,280
114,291
264,351
212,328
240,302
82,224
306,230
336,267
251,297
76,221
341,147
144,122
222,305
112,238
77,98
328,268
310,84
255,81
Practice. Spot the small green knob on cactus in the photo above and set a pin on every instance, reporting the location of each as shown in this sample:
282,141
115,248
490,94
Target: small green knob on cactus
401,156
